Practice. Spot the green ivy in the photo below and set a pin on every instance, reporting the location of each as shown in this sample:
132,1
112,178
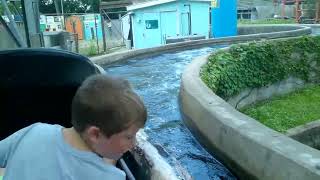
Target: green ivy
259,64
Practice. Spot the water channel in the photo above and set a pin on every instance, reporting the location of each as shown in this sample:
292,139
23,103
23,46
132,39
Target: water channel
157,80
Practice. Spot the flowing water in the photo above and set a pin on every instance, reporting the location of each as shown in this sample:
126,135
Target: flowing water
157,80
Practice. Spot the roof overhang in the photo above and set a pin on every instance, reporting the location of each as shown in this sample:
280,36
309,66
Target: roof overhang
115,4
147,4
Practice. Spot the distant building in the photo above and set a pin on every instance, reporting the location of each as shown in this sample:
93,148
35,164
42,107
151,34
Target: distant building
262,9
54,23
43,23
92,27
74,25
153,23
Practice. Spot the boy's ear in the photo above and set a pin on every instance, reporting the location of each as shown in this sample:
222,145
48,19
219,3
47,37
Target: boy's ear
94,133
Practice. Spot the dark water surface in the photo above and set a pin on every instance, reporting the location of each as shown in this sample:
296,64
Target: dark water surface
157,80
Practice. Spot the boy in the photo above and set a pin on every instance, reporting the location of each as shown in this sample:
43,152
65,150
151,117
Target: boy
106,115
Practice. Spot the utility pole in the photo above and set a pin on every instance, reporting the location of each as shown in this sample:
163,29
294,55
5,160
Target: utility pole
62,14
56,5
283,13
31,17
61,1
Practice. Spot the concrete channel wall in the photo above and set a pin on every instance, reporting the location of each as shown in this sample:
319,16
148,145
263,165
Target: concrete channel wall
253,95
308,134
162,171
280,32
270,28
248,148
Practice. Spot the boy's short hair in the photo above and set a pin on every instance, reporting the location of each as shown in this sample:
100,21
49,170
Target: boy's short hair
108,103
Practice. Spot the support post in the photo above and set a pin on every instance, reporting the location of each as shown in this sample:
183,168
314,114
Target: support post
31,17
56,5
3,22
317,11
283,12
96,28
103,31
12,25
298,11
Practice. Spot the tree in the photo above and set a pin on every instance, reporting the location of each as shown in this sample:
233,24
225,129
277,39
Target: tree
11,8
70,6
47,7
93,5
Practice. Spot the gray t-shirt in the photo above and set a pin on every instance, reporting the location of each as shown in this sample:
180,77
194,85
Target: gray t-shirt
39,152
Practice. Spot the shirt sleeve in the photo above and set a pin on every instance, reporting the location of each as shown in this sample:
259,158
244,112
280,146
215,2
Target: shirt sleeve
8,145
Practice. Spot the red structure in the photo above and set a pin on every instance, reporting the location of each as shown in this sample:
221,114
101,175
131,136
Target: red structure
298,10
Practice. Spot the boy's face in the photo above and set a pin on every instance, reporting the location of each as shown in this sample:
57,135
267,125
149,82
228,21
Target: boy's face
116,145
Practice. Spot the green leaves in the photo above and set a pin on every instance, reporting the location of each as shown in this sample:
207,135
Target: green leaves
258,64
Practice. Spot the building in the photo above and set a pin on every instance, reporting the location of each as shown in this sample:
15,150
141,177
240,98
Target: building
54,23
74,25
43,23
154,23
262,9
92,27
223,18
87,27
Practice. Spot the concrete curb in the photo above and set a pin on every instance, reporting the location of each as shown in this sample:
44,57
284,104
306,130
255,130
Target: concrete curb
311,25
308,134
248,148
142,53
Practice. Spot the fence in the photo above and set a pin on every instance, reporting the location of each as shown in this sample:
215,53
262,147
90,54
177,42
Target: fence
91,28
113,33
6,41
88,30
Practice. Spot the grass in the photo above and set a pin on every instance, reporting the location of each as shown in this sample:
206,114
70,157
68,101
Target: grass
93,51
90,50
267,21
289,111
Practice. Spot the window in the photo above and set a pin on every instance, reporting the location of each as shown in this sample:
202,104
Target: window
152,24
215,3
56,19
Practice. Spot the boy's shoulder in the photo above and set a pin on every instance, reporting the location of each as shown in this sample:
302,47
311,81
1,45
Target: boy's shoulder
45,126
40,131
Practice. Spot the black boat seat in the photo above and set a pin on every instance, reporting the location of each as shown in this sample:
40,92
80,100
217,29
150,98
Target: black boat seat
37,85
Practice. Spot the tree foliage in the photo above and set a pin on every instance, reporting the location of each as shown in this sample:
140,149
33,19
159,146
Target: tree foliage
46,7
11,8
70,6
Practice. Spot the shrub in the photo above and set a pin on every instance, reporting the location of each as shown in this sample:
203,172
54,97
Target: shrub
92,49
259,64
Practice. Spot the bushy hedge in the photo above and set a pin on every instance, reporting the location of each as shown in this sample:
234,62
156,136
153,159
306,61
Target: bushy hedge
258,64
